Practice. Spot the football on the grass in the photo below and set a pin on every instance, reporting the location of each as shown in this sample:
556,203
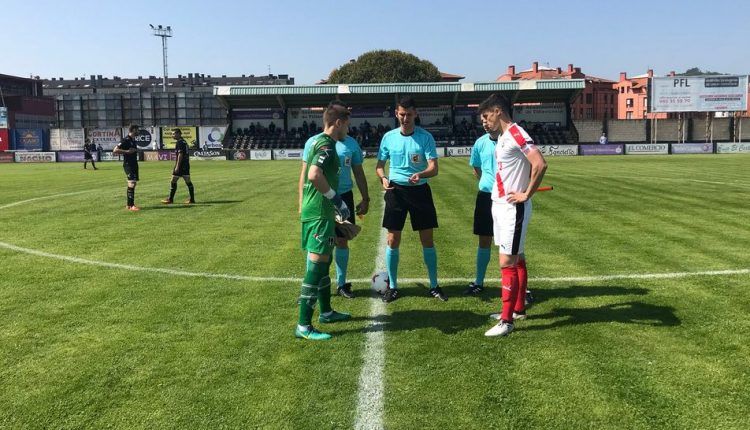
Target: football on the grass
380,282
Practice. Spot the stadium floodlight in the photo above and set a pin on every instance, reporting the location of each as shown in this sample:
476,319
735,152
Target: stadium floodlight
163,32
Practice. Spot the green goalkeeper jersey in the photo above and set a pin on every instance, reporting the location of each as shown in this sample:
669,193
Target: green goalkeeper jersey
322,154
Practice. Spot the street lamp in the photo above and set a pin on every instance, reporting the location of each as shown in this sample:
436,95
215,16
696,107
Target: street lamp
163,32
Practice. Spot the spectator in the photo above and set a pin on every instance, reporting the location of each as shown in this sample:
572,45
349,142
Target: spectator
603,139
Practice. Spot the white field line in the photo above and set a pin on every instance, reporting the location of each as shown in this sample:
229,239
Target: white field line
10,205
377,307
371,378
131,267
668,275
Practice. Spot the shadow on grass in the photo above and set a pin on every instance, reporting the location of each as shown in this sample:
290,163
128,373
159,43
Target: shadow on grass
186,206
580,291
456,321
453,291
628,313
217,202
165,207
448,322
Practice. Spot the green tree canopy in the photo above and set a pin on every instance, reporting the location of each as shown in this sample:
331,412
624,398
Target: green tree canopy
696,71
385,66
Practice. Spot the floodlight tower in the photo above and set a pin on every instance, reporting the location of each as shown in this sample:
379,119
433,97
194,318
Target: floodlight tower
163,32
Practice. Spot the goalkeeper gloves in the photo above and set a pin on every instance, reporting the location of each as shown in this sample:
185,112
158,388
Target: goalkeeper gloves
338,203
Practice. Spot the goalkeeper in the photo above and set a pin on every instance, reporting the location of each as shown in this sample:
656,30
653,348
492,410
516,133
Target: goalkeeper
320,205
350,157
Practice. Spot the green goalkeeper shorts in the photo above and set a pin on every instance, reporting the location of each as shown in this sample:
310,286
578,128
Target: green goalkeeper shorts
319,236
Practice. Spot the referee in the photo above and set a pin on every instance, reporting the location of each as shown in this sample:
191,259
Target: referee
483,161
413,158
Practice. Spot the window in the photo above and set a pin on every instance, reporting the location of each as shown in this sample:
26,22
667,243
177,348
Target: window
645,103
588,99
589,113
628,115
629,103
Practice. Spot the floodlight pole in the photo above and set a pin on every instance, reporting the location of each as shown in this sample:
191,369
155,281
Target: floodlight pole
163,32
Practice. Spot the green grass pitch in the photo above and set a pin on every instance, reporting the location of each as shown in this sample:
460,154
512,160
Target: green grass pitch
90,346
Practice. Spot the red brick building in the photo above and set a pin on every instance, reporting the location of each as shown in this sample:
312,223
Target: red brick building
632,97
597,101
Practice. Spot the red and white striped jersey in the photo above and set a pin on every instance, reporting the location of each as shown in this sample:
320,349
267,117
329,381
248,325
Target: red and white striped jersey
513,168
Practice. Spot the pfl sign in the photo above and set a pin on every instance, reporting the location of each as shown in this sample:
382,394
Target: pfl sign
681,82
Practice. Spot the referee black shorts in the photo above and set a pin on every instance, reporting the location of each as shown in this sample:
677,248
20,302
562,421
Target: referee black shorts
416,201
483,214
348,198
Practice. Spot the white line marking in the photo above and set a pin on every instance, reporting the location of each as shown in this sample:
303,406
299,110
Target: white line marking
670,275
145,269
371,378
10,205
377,308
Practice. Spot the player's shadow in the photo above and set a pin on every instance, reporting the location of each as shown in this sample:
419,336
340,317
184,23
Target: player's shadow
218,202
627,312
448,322
453,291
165,207
581,291
181,206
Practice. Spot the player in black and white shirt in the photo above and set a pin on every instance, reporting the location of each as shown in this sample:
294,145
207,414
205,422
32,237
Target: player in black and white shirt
181,169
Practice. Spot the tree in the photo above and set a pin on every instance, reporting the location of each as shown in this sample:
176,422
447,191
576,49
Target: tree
696,71
385,66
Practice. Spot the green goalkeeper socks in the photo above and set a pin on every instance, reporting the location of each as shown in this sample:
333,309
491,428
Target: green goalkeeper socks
310,291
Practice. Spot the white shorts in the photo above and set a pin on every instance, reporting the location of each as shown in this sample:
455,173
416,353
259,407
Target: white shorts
510,223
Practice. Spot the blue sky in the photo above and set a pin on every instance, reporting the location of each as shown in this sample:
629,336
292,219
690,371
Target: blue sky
307,39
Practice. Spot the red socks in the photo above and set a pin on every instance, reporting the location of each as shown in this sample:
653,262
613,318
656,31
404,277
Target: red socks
509,292
522,283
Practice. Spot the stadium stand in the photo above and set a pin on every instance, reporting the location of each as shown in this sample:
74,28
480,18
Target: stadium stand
464,133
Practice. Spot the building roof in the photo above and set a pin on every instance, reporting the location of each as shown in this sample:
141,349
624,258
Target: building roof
602,80
190,80
425,94
448,77
17,78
